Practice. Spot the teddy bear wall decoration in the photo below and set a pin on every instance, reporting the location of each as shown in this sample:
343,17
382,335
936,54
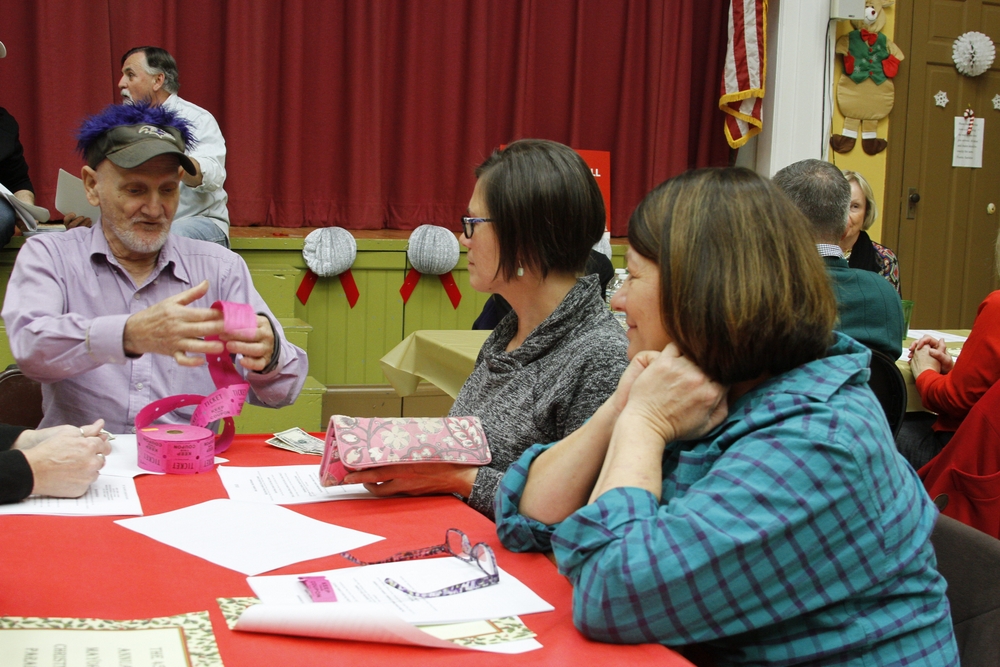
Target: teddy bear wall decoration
865,92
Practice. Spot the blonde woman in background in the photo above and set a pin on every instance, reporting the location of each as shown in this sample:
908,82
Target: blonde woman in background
859,250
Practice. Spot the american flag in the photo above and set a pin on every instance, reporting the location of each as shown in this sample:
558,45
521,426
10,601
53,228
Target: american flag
743,79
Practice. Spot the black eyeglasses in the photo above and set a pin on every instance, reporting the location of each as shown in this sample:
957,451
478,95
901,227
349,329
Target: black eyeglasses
457,544
468,224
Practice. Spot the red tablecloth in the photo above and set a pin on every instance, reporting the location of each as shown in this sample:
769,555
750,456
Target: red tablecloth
91,567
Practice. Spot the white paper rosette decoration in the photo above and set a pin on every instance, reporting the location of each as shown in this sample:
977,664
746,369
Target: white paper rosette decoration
973,53
330,251
433,250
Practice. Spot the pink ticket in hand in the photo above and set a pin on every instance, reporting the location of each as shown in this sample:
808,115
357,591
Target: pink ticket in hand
191,448
238,318
319,588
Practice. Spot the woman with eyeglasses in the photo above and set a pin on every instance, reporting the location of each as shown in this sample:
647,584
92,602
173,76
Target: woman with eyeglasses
739,497
534,214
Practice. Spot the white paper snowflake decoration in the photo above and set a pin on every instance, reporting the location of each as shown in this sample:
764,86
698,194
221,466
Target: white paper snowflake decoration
941,99
996,102
973,53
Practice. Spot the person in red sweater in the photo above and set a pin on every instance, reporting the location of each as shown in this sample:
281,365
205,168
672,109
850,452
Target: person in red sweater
950,387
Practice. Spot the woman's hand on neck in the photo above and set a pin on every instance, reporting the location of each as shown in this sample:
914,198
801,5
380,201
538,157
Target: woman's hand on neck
534,299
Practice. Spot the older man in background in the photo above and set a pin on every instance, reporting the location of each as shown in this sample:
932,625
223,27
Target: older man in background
870,309
103,316
149,74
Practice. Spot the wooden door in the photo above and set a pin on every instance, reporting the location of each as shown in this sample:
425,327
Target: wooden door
945,242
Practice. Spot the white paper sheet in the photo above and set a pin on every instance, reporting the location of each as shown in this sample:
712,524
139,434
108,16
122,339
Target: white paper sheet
123,461
366,584
948,338
72,198
248,537
967,149
285,485
108,496
30,214
358,622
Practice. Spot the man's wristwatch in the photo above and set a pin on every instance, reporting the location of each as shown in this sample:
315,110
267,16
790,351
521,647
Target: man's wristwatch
276,353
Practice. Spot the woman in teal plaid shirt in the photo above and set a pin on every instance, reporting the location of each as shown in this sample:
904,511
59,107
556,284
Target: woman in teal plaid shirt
739,497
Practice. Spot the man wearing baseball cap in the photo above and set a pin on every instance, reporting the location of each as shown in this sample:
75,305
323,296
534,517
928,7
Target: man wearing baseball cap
110,318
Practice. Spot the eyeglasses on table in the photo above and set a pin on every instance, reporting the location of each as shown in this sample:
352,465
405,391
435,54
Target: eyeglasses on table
457,544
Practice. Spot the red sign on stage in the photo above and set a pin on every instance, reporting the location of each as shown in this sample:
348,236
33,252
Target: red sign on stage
600,165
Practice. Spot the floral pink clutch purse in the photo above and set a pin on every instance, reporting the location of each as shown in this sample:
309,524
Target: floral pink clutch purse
357,443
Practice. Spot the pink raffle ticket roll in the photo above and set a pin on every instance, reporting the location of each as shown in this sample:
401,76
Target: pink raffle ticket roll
187,449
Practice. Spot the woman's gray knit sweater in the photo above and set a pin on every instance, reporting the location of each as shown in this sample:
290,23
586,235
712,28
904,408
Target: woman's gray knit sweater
546,388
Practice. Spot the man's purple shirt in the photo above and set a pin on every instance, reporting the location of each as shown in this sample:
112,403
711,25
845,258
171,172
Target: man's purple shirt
65,310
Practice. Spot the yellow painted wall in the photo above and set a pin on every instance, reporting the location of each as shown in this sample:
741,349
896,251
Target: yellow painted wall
872,167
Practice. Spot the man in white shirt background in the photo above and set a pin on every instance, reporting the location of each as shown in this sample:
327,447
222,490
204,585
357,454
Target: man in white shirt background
149,73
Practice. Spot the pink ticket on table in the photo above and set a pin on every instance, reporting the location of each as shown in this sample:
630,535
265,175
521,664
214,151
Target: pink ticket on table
319,589
180,448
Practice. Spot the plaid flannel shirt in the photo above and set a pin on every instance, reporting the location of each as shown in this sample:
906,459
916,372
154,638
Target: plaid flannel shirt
792,534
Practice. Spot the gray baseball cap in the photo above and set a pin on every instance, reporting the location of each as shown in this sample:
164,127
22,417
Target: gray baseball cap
128,146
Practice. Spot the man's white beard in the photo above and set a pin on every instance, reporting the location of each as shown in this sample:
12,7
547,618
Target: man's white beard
127,97
135,242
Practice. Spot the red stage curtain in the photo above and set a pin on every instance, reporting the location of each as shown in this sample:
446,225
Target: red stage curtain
372,114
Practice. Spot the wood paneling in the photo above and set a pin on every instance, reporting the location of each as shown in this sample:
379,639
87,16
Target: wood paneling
946,251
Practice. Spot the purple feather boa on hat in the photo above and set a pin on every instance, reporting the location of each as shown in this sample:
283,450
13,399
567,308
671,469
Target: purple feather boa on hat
143,113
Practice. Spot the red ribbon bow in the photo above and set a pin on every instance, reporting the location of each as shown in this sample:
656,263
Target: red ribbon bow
346,280
447,281
870,37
